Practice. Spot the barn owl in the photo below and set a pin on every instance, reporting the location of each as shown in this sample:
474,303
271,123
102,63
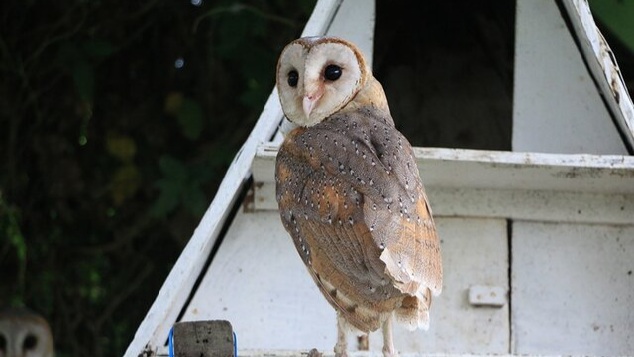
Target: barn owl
350,195
24,334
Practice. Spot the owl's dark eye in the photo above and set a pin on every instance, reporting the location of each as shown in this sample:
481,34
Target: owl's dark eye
332,72
30,342
293,77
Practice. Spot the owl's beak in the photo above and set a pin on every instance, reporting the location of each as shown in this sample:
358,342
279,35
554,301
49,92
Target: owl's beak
310,99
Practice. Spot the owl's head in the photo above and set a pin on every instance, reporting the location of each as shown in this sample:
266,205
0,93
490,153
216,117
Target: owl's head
317,76
24,333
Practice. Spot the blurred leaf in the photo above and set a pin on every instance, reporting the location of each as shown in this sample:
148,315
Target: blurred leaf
173,102
618,16
235,29
306,6
68,55
10,228
194,200
125,183
190,118
203,171
84,78
98,48
181,185
172,168
169,197
122,147
171,186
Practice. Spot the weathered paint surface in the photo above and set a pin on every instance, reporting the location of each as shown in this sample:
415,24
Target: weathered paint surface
529,186
572,289
556,105
258,282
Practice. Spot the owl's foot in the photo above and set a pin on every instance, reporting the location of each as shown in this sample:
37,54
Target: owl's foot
341,350
341,347
388,343
389,352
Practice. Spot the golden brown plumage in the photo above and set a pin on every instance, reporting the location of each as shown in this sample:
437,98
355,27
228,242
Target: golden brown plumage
349,192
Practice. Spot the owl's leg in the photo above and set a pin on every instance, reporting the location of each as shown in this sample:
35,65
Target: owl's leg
341,348
388,343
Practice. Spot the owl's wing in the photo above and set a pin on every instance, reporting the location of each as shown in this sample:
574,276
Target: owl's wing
351,186
396,207
324,214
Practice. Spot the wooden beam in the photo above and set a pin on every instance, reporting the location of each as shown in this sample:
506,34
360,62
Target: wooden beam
603,66
498,184
557,106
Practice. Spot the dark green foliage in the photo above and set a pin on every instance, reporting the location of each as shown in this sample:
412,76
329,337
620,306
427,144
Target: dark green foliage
118,120
617,16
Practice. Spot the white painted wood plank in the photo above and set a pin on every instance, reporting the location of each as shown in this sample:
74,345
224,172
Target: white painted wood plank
556,105
153,330
529,186
573,289
297,353
603,65
355,22
548,206
460,168
536,205
258,283
517,170
273,353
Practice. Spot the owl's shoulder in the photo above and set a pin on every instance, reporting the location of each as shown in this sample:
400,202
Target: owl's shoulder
371,97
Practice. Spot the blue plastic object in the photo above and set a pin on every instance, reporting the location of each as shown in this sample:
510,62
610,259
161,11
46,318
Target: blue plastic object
235,344
170,342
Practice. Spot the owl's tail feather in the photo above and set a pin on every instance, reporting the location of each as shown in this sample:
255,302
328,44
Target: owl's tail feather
414,311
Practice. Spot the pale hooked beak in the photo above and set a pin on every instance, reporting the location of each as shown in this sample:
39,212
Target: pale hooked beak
309,103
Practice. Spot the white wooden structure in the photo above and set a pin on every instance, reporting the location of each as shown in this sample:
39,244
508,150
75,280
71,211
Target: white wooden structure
538,243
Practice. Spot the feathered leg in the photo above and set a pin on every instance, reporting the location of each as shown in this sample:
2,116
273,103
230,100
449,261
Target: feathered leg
341,348
388,343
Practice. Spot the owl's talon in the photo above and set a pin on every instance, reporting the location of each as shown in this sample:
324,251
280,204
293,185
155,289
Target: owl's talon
387,353
314,353
341,351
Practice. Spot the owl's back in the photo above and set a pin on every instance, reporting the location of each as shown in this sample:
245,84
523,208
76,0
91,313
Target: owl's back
351,197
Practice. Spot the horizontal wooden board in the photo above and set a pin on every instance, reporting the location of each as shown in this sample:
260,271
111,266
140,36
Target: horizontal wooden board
529,186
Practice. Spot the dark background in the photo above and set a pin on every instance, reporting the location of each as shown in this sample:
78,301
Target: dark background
118,120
